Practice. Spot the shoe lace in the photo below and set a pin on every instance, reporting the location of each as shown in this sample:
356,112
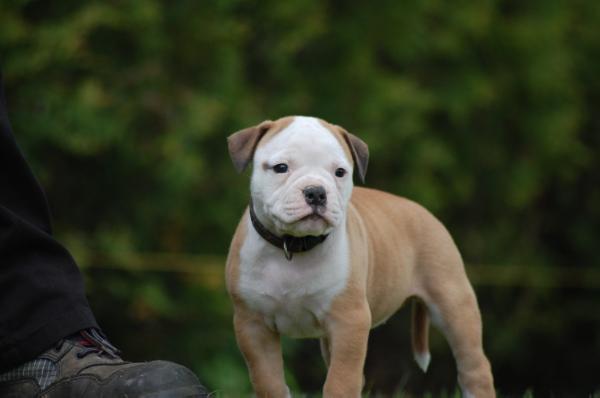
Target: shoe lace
93,341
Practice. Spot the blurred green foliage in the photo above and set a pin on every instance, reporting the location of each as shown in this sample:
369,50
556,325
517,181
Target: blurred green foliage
485,112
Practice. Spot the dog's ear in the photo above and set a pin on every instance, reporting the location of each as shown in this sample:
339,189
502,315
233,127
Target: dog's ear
242,144
360,152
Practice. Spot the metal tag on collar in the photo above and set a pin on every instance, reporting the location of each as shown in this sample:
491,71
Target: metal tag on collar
288,254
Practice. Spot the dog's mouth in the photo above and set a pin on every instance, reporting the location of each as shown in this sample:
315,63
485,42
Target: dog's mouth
317,215
312,217
302,220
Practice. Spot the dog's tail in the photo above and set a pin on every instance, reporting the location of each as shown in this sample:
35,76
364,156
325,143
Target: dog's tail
420,334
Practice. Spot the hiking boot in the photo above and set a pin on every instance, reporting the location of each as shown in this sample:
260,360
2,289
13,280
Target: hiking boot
87,365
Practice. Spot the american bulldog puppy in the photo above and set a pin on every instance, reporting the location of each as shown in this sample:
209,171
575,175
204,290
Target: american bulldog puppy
315,257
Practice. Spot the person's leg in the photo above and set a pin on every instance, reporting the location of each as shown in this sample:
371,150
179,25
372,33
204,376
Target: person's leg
41,290
50,343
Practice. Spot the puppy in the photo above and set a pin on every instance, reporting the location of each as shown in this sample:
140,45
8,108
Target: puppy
315,257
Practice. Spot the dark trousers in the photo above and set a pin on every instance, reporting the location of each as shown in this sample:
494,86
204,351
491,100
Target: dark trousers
42,297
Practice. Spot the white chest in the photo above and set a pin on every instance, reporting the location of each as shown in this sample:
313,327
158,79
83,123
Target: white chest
293,296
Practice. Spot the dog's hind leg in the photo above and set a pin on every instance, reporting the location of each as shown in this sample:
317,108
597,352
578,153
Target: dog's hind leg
454,311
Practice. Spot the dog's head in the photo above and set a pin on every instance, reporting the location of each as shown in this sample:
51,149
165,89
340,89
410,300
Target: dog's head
302,172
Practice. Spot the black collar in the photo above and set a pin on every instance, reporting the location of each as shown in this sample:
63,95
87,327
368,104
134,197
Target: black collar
288,243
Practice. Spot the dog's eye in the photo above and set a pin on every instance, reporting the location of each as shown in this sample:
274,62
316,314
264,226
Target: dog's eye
340,172
280,168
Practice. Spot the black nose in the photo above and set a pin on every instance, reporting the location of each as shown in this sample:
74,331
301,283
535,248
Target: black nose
315,195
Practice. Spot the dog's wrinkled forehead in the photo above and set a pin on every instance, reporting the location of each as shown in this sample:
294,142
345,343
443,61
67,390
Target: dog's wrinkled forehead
308,136
293,132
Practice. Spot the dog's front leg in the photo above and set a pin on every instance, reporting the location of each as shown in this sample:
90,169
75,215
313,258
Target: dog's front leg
261,348
348,333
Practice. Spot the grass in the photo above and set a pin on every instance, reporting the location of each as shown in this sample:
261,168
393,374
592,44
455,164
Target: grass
399,394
